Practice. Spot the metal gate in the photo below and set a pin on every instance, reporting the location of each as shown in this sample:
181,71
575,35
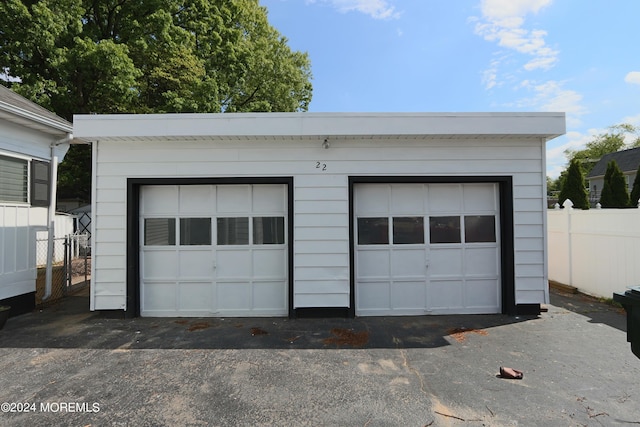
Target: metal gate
77,262
71,266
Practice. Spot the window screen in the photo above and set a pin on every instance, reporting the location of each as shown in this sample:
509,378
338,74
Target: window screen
13,180
268,230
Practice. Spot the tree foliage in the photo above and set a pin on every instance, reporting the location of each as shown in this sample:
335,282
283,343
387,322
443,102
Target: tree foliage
150,56
614,190
573,188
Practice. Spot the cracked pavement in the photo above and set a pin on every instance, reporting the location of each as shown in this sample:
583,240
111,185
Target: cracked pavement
409,371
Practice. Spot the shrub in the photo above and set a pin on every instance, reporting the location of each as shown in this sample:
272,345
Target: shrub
573,187
635,190
614,191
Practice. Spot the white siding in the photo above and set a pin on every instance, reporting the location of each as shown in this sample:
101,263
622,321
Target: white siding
18,228
28,142
19,223
321,217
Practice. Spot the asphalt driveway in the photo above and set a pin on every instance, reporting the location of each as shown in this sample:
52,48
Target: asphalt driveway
64,365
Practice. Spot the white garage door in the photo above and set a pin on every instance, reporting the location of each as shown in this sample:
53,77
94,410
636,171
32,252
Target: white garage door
213,250
427,249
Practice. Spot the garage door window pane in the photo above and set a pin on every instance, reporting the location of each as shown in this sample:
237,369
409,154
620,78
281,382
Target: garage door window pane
444,229
373,231
268,230
160,231
409,230
233,231
480,228
195,231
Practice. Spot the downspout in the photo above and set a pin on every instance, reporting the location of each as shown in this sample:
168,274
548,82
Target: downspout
51,213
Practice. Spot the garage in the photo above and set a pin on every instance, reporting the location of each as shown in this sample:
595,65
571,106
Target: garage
319,214
427,248
213,250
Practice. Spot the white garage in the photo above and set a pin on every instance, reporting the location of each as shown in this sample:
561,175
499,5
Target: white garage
306,214
427,249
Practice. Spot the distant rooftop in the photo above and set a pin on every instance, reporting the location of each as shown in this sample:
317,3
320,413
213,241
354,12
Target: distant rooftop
627,160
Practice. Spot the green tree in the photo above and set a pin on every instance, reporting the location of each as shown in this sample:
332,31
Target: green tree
148,56
614,190
573,187
635,190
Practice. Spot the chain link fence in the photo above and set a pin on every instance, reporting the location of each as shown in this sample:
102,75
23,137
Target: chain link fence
71,267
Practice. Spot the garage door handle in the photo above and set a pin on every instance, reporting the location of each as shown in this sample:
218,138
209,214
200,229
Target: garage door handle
426,263
214,265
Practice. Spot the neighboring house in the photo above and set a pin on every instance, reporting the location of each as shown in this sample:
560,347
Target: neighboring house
628,162
30,137
296,214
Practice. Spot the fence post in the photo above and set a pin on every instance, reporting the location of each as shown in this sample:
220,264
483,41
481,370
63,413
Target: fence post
67,261
568,208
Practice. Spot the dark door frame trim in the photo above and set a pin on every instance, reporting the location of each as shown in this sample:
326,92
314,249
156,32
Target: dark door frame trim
505,185
134,186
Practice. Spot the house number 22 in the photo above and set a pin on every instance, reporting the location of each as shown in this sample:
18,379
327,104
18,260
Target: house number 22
321,166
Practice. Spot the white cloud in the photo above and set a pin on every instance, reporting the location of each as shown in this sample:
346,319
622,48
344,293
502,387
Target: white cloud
497,9
490,77
552,96
377,9
556,157
633,77
632,120
503,22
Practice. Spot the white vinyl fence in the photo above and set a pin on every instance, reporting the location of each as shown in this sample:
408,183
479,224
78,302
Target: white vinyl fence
596,250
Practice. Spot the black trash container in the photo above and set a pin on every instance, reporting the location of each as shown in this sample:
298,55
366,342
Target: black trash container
630,300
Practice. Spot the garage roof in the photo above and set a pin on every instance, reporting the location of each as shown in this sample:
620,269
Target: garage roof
314,125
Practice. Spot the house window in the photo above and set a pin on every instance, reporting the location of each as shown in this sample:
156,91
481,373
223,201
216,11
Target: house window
14,179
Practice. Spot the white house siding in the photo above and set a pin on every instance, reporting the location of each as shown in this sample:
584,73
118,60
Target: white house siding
529,238
23,141
321,214
18,228
19,223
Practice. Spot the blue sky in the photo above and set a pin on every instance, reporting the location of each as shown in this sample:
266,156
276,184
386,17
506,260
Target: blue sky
581,57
